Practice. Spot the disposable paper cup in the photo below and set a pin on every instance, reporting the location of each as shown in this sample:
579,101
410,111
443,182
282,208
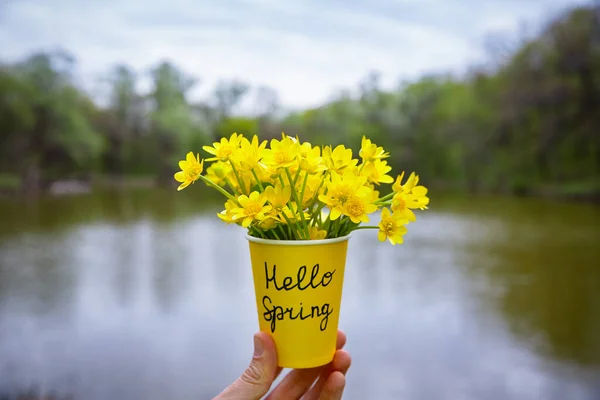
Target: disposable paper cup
298,286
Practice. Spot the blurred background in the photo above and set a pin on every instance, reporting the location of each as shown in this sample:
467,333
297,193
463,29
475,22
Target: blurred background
115,286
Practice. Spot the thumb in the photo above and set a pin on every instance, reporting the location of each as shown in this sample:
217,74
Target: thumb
256,380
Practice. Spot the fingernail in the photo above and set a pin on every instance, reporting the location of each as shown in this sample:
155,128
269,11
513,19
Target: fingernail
259,347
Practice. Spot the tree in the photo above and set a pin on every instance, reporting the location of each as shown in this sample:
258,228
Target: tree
172,124
50,131
228,95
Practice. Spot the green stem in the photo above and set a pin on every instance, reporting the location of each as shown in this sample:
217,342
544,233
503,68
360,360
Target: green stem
333,225
231,186
385,203
262,189
285,235
385,198
365,227
275,233
341,226
314,199
281,180
303,189
325,225
297,175
237,176
289,205
290,225
319,209
220,189
298,202
257,230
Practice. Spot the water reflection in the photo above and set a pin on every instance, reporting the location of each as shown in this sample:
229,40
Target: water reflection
547,279
145,294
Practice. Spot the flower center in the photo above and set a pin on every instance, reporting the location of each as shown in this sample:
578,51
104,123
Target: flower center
389,227
279,157
400,203
224,152
193,172
355,207
343,195
252,209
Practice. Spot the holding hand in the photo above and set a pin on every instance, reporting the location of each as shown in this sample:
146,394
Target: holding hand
256,381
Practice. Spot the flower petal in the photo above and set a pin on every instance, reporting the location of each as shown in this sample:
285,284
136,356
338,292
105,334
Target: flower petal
183,185
209,150
190,158
180,176
335,213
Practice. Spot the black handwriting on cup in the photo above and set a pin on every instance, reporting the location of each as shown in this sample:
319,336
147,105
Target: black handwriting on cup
274,313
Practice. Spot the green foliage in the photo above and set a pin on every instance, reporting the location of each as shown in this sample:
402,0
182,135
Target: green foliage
49,131
242,125
531,123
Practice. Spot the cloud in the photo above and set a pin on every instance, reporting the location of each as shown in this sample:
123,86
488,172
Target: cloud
305,50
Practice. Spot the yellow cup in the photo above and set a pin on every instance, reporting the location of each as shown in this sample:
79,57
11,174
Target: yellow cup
298,286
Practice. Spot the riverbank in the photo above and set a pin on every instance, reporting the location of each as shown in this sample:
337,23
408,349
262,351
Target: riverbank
584,191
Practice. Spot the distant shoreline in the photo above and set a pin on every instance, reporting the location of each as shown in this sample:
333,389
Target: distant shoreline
577,193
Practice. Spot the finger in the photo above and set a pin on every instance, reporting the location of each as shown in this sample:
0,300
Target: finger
298,381
256,380
277,372
334,387
295,384
341,340
341,362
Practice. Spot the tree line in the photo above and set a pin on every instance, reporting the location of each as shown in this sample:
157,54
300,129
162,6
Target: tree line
529,125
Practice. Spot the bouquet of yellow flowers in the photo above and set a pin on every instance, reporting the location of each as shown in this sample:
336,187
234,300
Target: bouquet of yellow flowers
291,190
299,204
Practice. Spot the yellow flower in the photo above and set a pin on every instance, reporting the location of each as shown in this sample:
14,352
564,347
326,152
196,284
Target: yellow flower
340,188
312,162
391,227
313,183
278,196
269,222
357,208
315,233
269,173
400,206
376,172
370,151
339,158
411,182
191,169
218,173
224,149
282,153
413,196
418,198
228,214
250,154
252,208
304,148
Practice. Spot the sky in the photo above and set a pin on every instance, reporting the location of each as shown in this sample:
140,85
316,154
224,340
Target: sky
307,50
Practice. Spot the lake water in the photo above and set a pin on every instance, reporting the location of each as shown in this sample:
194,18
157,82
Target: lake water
146,294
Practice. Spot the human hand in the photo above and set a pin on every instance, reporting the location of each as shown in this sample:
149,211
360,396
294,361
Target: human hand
256,381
